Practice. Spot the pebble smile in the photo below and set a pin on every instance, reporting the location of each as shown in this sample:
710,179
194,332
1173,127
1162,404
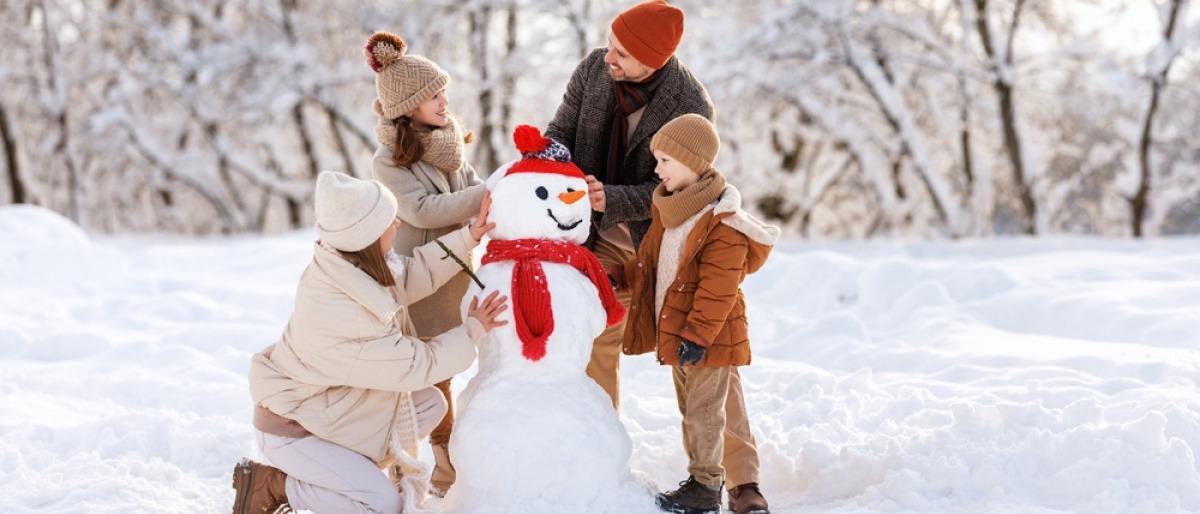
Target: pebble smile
562,226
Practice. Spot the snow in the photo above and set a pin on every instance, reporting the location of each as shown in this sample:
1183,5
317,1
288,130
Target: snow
1012,375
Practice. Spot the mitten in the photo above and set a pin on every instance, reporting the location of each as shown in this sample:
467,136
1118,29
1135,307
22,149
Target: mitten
690,353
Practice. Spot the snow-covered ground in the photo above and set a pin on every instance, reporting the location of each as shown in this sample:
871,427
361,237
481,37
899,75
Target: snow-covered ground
1055,375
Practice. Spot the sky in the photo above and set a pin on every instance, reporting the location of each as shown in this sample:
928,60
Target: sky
1009,375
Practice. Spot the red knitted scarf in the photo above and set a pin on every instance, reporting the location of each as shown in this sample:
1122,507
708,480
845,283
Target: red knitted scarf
531,294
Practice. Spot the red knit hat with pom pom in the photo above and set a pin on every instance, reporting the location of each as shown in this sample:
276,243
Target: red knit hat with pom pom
402,81
540,154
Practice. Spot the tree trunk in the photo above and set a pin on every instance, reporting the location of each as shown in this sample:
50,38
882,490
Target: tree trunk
488,156
508,79
905,146
227,216
367,140
580,21
1008,116
340,141
62,144
295,209
964,138
981,205
901,125
1140,201
212,132
15,183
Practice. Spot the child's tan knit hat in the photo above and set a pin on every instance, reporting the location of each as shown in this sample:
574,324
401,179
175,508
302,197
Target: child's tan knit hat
690,139
402,81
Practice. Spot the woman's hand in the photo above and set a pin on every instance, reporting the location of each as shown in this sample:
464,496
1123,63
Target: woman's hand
486,313
480,225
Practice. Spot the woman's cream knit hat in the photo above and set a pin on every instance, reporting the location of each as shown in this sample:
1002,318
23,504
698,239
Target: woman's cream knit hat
402,81
352,213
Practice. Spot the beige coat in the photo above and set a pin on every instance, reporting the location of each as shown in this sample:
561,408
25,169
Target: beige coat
348,352
431,204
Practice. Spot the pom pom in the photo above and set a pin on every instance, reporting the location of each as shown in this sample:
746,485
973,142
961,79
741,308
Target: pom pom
529,139
383,49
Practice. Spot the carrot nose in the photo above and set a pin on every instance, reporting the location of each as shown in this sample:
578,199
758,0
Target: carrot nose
572,197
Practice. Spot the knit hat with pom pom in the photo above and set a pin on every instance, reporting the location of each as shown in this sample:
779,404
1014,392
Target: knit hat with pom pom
540,154
402,81
352,213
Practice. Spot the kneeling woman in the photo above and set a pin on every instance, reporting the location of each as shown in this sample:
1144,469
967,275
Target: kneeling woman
347,390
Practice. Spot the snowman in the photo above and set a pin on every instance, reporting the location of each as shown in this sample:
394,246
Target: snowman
533,432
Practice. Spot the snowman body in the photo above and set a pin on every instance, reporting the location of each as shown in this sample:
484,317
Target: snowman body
533,432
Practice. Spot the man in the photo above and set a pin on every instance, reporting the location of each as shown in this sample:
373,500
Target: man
617,99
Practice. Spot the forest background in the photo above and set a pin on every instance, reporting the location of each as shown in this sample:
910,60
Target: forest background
840,119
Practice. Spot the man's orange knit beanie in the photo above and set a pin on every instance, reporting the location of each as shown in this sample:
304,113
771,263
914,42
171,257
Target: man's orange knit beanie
650,31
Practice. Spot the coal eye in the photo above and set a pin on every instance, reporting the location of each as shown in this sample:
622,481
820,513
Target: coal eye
542,193
570,190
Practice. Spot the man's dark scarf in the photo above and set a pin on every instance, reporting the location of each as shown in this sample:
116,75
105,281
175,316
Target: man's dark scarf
631,96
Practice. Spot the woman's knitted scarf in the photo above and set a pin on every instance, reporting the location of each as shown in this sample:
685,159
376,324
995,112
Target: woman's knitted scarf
444,146
409,473
530,292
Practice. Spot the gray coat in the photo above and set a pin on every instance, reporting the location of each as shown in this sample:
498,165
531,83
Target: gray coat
583,123
431,204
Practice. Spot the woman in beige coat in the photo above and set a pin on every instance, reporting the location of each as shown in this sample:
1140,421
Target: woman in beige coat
421,159
347,389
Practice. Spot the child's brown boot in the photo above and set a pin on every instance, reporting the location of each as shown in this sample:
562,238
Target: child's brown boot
746,499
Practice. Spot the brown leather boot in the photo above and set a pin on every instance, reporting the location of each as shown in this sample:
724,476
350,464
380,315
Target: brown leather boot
746,499
259,489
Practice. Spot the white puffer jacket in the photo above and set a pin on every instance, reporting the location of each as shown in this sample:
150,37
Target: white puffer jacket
349,351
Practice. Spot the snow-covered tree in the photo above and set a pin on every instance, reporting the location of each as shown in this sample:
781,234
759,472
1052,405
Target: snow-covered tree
839,119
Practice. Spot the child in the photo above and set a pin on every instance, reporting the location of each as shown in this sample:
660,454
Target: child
422,160
688,306
347,389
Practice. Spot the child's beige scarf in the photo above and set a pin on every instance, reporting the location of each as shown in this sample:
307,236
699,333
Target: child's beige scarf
675,208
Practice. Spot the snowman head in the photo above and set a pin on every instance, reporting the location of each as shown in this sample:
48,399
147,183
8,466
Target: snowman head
542,195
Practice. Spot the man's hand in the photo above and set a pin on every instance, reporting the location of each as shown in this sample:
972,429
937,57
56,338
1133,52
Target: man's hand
690,353
595,193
